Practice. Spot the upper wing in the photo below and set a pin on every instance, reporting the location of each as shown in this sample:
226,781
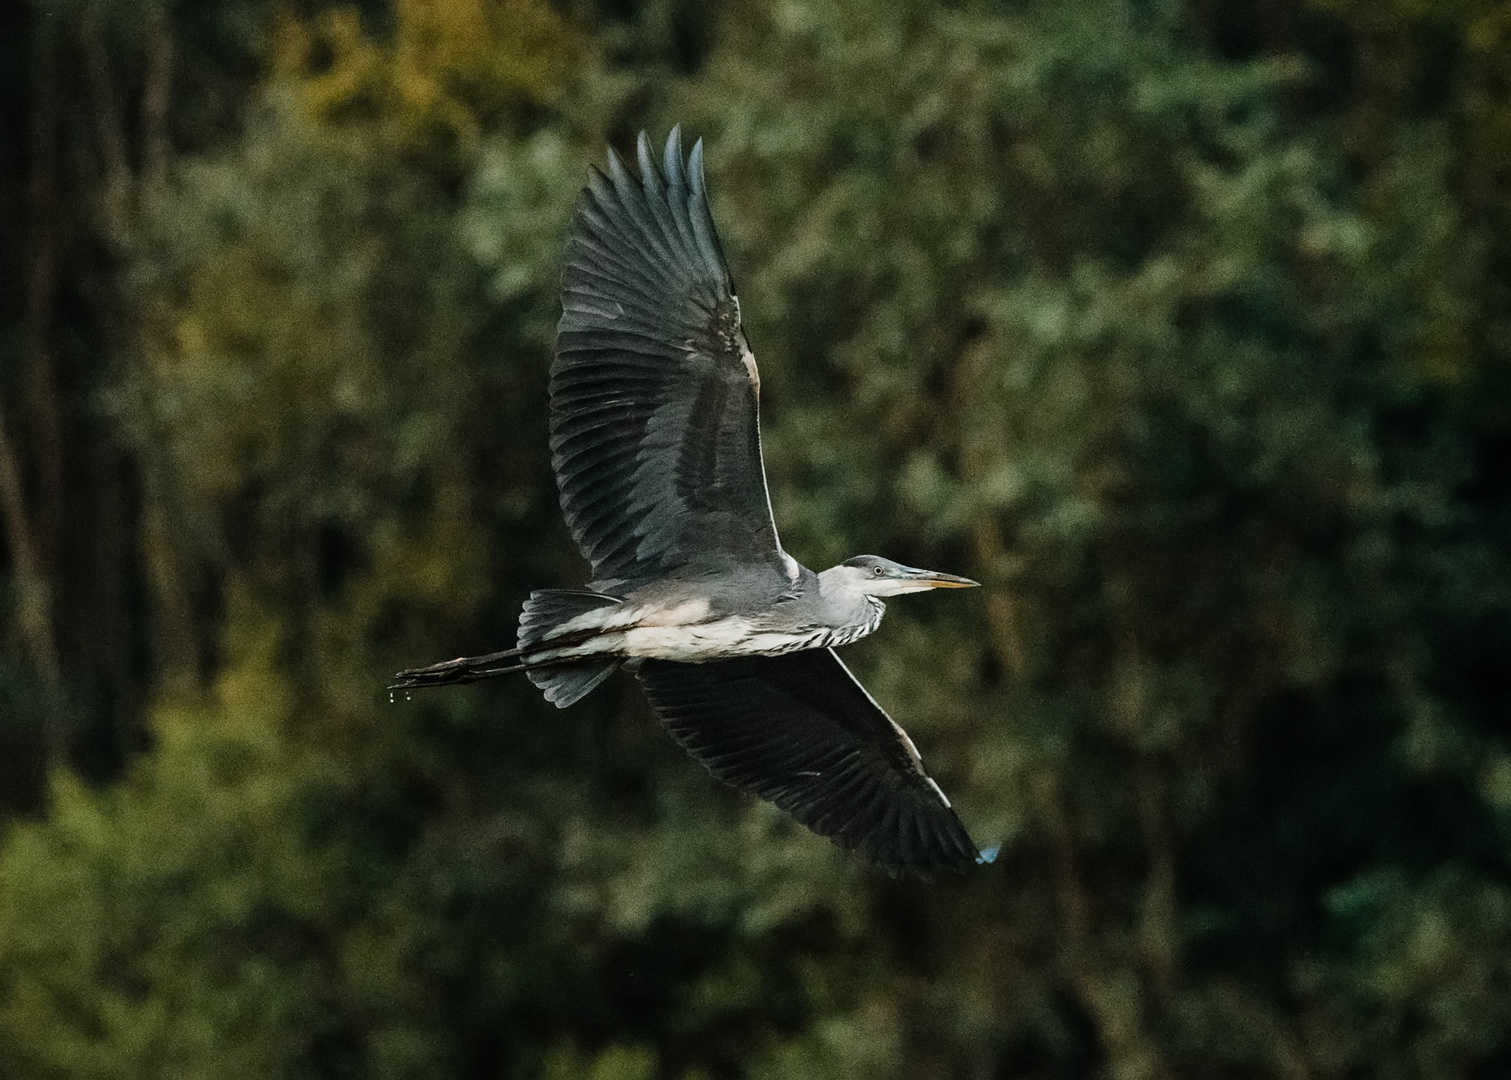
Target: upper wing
654,430
800,731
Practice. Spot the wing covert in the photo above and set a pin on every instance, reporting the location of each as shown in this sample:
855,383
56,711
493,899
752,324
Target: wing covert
800,731
655,434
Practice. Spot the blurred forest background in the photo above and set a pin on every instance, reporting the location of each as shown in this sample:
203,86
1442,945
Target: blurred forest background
1184,326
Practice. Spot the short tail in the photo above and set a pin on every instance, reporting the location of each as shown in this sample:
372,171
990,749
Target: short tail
564,679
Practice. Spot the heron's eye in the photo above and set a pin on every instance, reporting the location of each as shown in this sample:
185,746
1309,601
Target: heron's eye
876,571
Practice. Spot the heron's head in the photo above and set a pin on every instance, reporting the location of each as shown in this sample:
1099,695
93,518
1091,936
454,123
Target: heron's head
875,576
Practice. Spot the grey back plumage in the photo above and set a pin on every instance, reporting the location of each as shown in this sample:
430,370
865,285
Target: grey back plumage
655,434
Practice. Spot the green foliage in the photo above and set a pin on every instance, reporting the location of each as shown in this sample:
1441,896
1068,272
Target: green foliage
1060,297
155,929
446,69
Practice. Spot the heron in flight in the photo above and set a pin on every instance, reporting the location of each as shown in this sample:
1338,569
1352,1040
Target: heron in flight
656,446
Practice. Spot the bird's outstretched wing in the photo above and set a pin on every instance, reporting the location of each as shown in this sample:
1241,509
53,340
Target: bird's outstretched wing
654,430
800,731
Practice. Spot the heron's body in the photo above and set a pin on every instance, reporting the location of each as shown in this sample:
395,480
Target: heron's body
656,445
697,621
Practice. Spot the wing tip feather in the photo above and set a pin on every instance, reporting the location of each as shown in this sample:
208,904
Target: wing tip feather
695,170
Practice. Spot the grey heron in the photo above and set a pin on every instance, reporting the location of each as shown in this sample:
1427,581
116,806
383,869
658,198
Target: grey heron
656,446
